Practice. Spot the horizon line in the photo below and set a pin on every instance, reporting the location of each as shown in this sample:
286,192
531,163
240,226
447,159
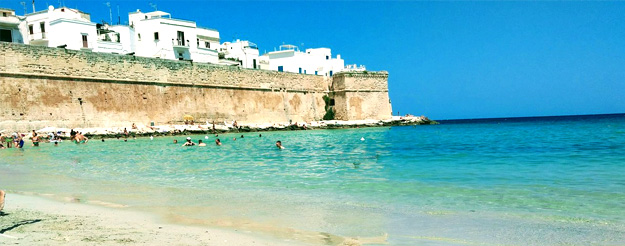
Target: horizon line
532,117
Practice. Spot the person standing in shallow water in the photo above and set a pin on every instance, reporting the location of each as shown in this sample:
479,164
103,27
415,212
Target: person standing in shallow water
2,195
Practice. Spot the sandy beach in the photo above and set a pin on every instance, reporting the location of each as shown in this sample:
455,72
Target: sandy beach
31,220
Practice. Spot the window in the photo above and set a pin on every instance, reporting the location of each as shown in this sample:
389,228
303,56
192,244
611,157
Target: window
42,25
330,73
280,69
85,44
327,57
316,73
300,70
180,56
139,36
156,36
207,44
304,71
198,43
31,30
254,61
4,14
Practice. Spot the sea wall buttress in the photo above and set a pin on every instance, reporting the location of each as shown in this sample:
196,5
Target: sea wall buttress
42,86
361,96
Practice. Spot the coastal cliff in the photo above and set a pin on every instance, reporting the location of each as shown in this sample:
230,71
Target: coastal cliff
42,86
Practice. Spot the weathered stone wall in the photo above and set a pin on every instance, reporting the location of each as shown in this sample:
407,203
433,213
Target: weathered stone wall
41,86
361,96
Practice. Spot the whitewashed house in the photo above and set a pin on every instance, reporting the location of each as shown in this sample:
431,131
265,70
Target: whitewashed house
10,27
66,27
158,35
243,52
317,61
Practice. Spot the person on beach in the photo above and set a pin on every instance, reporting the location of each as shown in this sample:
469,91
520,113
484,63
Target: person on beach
218,142
134,126
20,141
35,139
200,144
2,195
8,140
126,132
2,141
279,144
188,143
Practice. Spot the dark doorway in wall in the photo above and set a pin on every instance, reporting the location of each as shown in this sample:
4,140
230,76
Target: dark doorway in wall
6,35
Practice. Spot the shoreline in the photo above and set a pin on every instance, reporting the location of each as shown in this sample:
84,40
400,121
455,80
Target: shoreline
39,220
224,127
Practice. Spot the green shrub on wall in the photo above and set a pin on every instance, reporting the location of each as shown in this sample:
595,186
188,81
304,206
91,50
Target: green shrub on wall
329,108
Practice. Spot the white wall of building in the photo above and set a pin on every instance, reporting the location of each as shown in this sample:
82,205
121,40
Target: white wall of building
126,38
157,35
245,52
10,26
313,61
71,33
62,26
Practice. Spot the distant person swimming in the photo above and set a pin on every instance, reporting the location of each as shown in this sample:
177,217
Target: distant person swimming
279,144
200,144
188,143
218,142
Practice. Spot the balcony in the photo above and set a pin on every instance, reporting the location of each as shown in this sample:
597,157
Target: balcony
181,44
40,38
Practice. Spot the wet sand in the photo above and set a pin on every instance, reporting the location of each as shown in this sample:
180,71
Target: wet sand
30,220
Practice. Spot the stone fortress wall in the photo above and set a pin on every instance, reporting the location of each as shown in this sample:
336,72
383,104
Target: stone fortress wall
42,86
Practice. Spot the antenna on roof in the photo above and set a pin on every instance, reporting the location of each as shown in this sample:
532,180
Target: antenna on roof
33,6
24,5
153,6
119,18
108,4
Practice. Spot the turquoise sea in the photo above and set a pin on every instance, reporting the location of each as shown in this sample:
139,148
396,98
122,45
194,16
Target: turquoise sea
532,181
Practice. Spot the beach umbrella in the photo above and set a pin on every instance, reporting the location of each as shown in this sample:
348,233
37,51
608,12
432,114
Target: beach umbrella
187,117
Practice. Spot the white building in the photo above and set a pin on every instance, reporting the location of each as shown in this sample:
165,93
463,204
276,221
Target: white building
243,52
10,27
158,35
313,61
61,27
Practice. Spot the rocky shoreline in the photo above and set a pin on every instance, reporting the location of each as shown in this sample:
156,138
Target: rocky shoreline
224,127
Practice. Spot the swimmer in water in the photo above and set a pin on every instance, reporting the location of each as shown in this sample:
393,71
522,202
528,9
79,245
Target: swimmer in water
175,141
188,143
200,144
279,144
218,142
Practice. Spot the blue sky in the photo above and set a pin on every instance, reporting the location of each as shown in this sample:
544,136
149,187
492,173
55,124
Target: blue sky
446,60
